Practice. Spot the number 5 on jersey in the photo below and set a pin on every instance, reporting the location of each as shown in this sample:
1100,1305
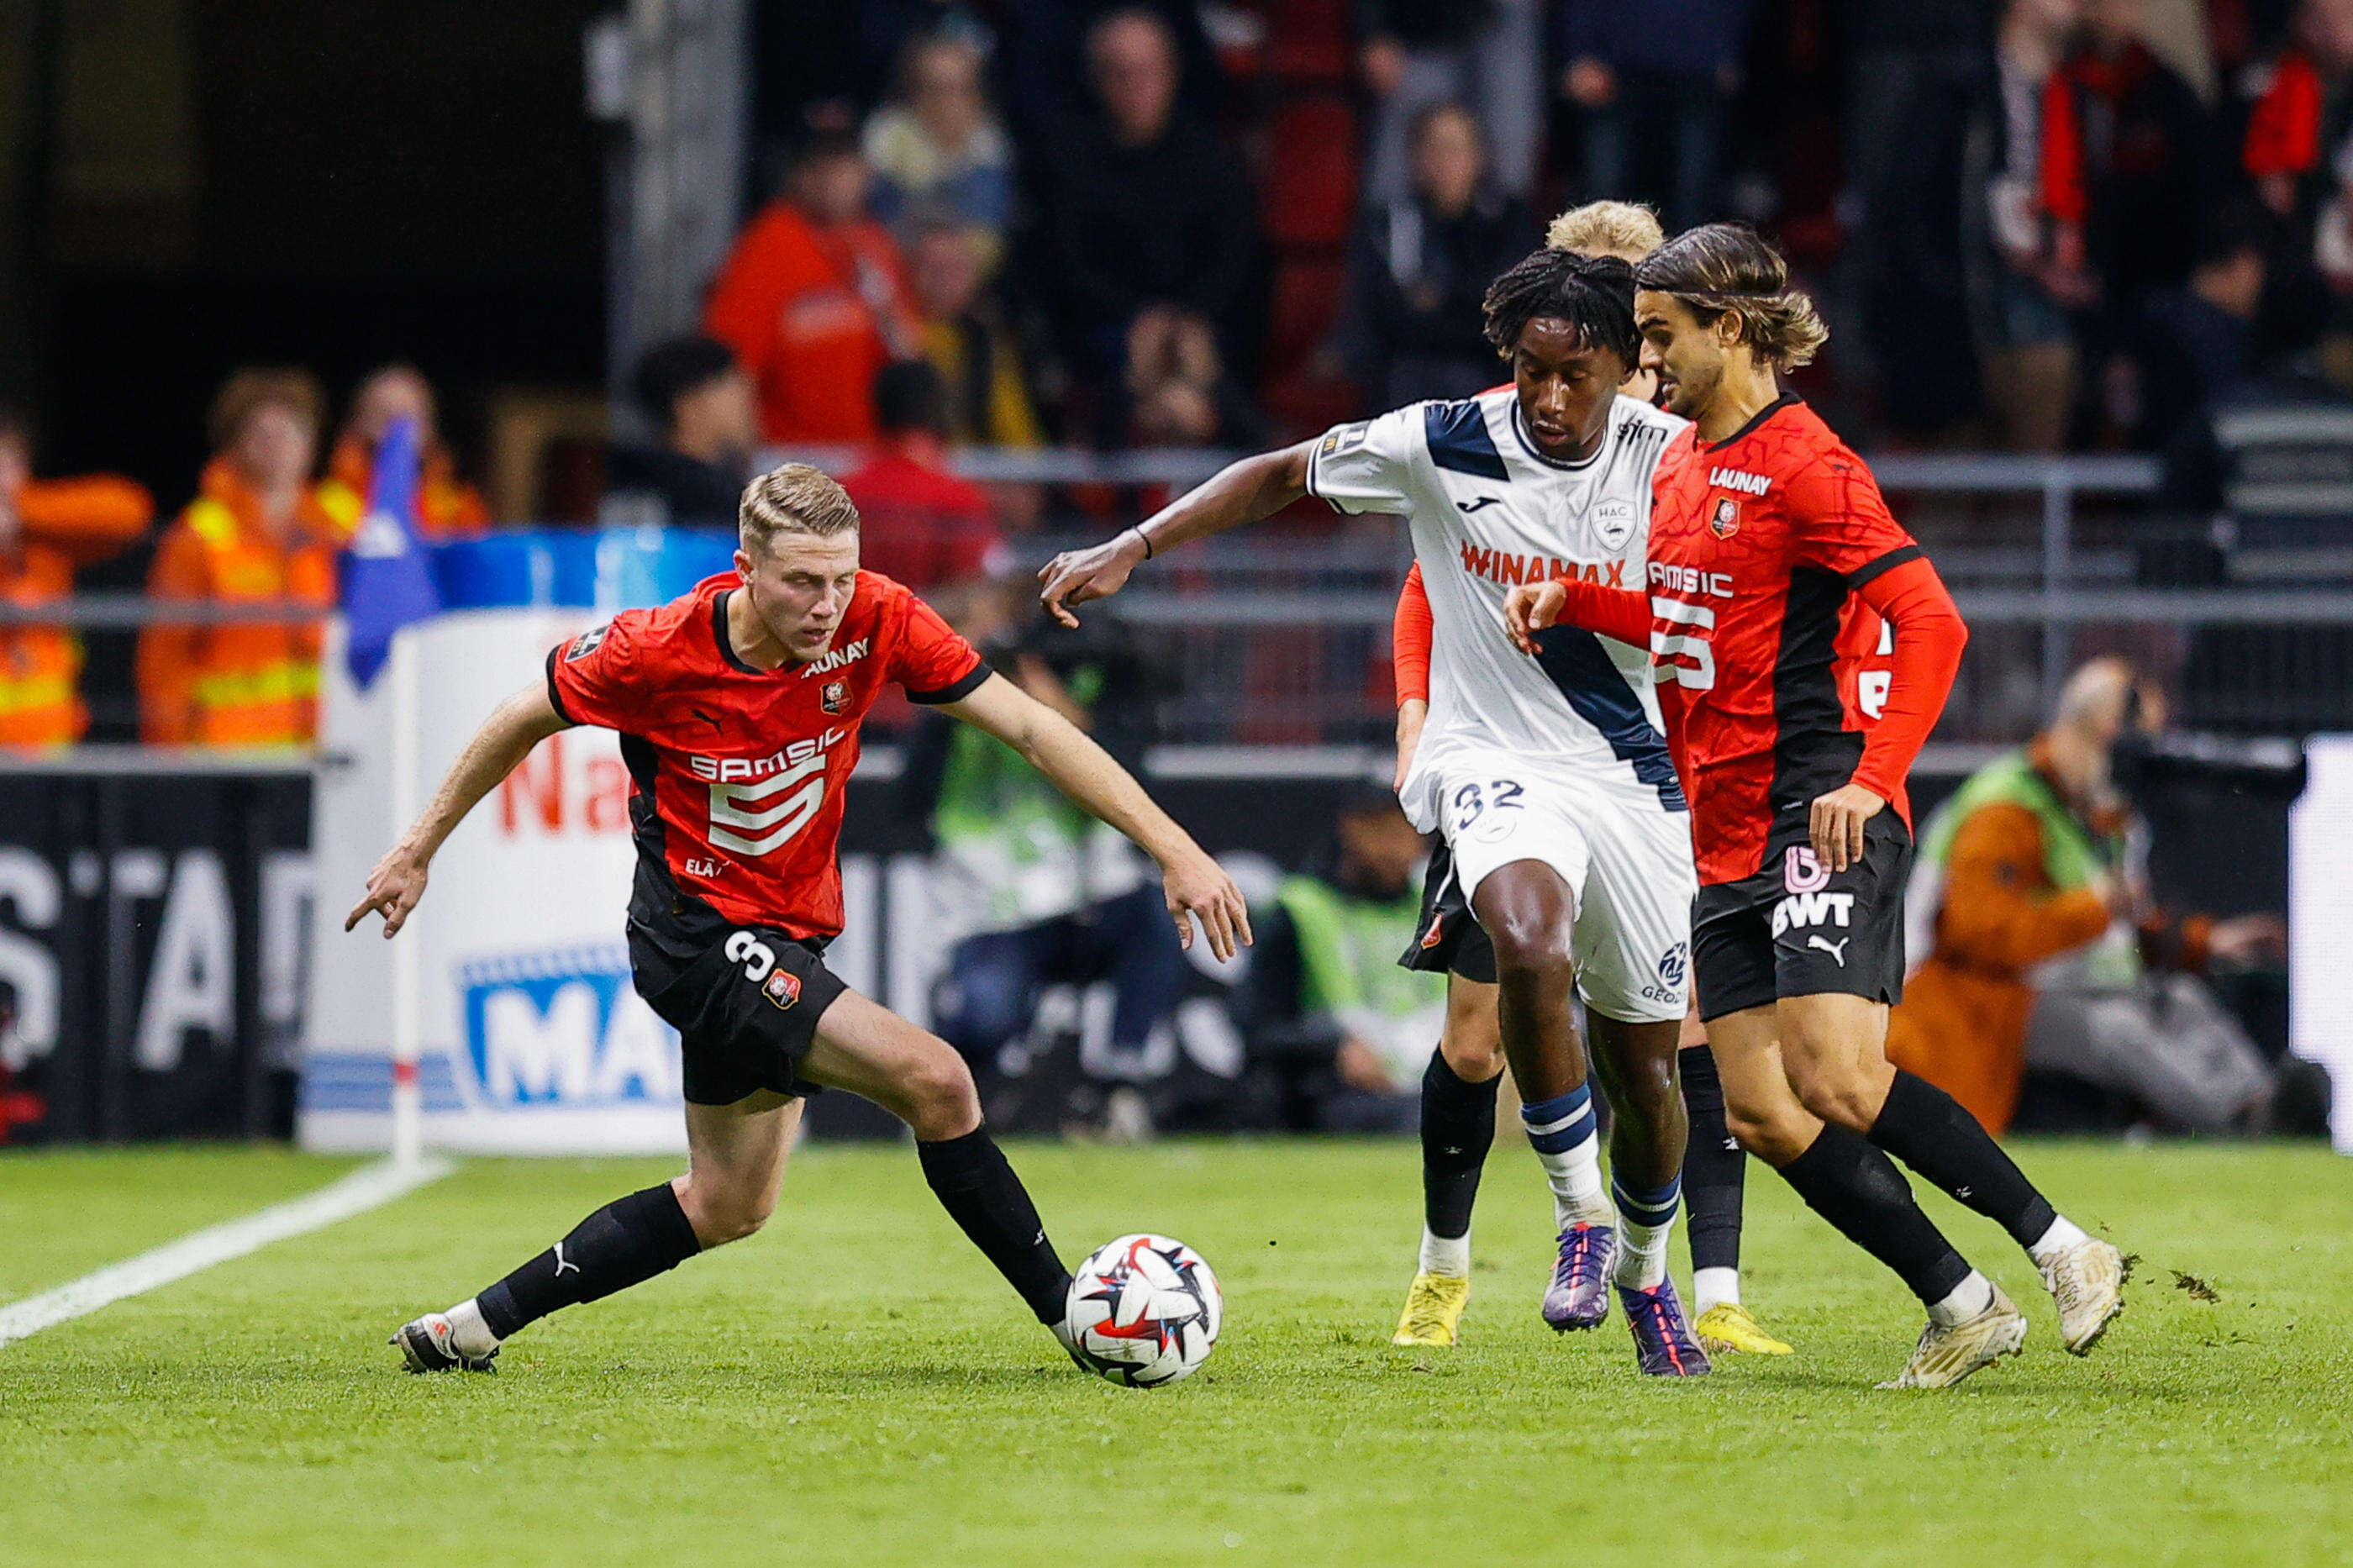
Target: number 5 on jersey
750,819
1670,650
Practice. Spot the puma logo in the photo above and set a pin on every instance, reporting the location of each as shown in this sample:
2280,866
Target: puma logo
1835,948
1467,507
561,1265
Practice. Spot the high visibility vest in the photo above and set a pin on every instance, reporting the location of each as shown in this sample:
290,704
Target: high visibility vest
255,684
40,666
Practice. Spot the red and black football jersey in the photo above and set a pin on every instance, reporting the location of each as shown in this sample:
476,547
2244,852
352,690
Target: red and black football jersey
1770,669
737,774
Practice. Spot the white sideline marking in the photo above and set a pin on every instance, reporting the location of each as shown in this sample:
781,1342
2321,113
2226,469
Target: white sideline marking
365,1188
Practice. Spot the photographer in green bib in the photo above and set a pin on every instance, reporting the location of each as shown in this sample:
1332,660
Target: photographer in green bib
1341,1030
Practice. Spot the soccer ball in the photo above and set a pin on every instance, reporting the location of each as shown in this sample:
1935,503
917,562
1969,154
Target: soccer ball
1145,1310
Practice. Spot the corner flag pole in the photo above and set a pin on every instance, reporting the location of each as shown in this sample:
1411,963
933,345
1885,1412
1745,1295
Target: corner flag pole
407,1092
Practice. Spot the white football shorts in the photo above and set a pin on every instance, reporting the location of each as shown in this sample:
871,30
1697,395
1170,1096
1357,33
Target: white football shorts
1626,858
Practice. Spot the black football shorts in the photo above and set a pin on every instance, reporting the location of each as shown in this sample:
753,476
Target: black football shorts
1447,939
747,1011
1798,928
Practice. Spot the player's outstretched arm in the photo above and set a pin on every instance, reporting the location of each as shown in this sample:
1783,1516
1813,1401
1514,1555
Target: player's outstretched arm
1620,612
1196,887
1238,493
506,737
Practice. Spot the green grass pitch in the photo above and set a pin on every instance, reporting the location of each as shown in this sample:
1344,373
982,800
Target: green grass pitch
856,1386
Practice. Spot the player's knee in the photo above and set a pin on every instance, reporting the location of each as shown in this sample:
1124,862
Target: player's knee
938,1098
1471,1044
722,1212
1527,947
1842,1097
1775,1134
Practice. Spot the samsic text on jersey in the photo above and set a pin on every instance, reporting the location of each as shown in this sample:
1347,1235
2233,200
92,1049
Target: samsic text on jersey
1774,667
737,774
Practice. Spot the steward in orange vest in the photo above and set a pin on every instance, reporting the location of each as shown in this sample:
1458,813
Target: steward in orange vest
46,528
255,533
446,506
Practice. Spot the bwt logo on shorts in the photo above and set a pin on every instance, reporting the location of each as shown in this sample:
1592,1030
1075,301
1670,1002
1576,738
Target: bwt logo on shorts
563,1030
1801,871
1813,909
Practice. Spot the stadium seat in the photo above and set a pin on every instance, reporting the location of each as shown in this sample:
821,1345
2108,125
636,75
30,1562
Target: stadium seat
1309,196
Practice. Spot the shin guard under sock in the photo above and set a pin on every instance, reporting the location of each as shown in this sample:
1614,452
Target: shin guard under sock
1458,1128
1715,1168
1859,1190
626,1242
975,1184
1929,1131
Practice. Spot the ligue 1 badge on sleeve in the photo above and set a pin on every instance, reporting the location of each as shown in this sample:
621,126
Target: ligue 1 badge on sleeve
1727,521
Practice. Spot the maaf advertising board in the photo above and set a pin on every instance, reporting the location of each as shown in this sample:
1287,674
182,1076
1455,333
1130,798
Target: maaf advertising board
532,1040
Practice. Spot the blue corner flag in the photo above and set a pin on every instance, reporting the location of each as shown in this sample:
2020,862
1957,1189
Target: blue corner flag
387,581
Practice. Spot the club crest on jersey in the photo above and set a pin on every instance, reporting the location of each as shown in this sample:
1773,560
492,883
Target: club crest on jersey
1613,523
835,694
1726,523
587,643
783,988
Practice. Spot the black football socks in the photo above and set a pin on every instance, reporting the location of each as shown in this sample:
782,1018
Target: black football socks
1715,1166
1929,1131
1458,1128
628,1241
975,1184
1859,1190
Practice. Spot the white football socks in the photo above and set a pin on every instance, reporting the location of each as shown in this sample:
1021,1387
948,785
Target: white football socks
1645,1221
469,1335
1567,1140
1713,1288
1447,1255
2064,1234
1966,1299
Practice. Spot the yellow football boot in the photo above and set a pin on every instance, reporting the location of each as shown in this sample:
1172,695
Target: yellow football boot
1433,1309
1727,1326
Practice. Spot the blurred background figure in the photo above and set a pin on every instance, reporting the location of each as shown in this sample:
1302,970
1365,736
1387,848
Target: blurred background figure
937,147
2047,952
1419,266
1485,53
1038,893
446,506
1653,82
2195,340
813,300
48,528
967,338
255,533
918,522
1149,242
697,399
2034,270
1343,1033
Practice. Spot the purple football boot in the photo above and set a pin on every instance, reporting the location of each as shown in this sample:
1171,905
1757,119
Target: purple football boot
1664,1343
1578,1297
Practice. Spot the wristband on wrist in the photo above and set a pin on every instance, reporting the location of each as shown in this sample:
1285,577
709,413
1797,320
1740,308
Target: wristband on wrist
1137,530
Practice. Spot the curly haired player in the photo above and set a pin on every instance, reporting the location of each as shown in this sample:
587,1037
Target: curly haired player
1805,647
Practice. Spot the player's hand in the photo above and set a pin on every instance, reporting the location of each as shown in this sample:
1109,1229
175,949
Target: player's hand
1412,713
2245,940
1837,823
1077,575
1198,887
392,889
1529,608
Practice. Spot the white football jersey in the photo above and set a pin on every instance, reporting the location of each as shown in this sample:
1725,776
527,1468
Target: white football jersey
1488,511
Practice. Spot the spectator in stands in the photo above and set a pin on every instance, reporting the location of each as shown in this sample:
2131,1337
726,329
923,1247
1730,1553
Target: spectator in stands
2127,160
2195,340
967,340
255,534
2297,150
1410,325
1179,393
918,522
1486,53
446,506
1345,1030
1031,891
938,148
812,299
46,528
2035,273
2046,949
1653,82
1043,67
1149,239
701,401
